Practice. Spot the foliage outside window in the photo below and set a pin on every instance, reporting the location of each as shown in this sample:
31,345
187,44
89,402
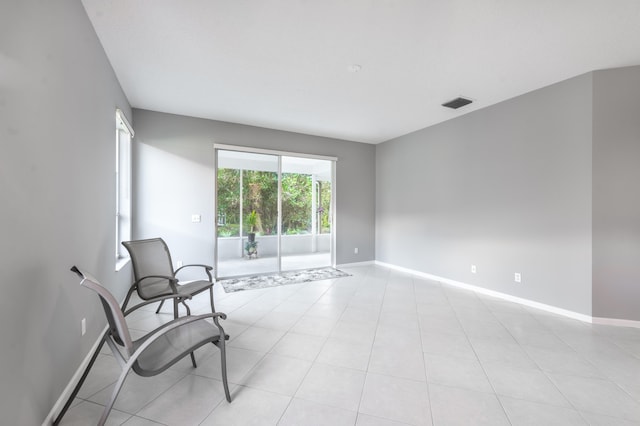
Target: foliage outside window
296,204
323,208
229,202
260,193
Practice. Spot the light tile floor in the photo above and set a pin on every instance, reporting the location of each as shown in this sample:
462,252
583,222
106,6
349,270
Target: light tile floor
382,348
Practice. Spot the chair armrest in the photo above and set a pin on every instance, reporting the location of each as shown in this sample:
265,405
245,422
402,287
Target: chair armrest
215,317
157,299
173,282
207,269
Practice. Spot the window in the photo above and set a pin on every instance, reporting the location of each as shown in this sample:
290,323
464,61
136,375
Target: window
124,133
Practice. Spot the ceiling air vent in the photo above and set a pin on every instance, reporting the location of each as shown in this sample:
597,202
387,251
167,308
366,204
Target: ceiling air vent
457,103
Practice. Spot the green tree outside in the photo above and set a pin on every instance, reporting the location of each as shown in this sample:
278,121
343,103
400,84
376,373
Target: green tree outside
260,193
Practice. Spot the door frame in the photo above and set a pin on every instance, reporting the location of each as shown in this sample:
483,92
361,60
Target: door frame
238,148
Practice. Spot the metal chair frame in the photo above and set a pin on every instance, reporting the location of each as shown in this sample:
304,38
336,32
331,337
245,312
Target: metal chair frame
173,285
172,341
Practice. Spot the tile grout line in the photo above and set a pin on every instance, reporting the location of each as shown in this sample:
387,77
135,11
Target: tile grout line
495,393
424,359
366,372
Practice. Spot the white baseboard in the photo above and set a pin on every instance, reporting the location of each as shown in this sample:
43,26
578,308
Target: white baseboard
616,322
356,264
526,302
66,393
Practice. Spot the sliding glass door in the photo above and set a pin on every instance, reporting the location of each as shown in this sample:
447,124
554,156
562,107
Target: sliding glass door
274,212
306,213
247,205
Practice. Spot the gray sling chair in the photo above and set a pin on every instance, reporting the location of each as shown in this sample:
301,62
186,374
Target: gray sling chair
159,349
154,279
154,275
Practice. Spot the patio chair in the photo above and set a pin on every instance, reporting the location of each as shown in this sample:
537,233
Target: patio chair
154,275
159,349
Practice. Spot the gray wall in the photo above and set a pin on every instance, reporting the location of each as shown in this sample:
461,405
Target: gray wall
58,96
507,188
173,179
616,198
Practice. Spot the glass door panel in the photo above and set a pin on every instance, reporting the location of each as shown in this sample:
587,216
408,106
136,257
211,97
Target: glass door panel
306,213
247,240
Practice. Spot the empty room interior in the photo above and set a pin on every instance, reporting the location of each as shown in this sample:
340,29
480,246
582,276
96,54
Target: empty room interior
472,168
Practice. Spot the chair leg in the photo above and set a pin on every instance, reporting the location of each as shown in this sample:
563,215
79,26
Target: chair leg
213,308
223,365
175,315
81,382
159,307
187,307
114,395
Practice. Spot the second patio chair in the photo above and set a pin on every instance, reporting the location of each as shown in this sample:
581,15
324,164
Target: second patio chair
154,275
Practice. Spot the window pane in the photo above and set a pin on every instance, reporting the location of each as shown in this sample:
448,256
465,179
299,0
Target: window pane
228,202
296,203
123,186
260,194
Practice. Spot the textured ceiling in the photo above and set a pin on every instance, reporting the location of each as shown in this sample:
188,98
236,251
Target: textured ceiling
283,64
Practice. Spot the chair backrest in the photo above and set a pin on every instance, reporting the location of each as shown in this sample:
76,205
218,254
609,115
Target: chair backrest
150,257
115,317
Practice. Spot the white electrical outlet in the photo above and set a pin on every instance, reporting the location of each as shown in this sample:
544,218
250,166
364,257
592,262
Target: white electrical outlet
83,326
473,269
179,263
355,250
517,277
196,218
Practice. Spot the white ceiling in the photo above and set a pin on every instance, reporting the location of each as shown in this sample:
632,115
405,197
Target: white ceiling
282,64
